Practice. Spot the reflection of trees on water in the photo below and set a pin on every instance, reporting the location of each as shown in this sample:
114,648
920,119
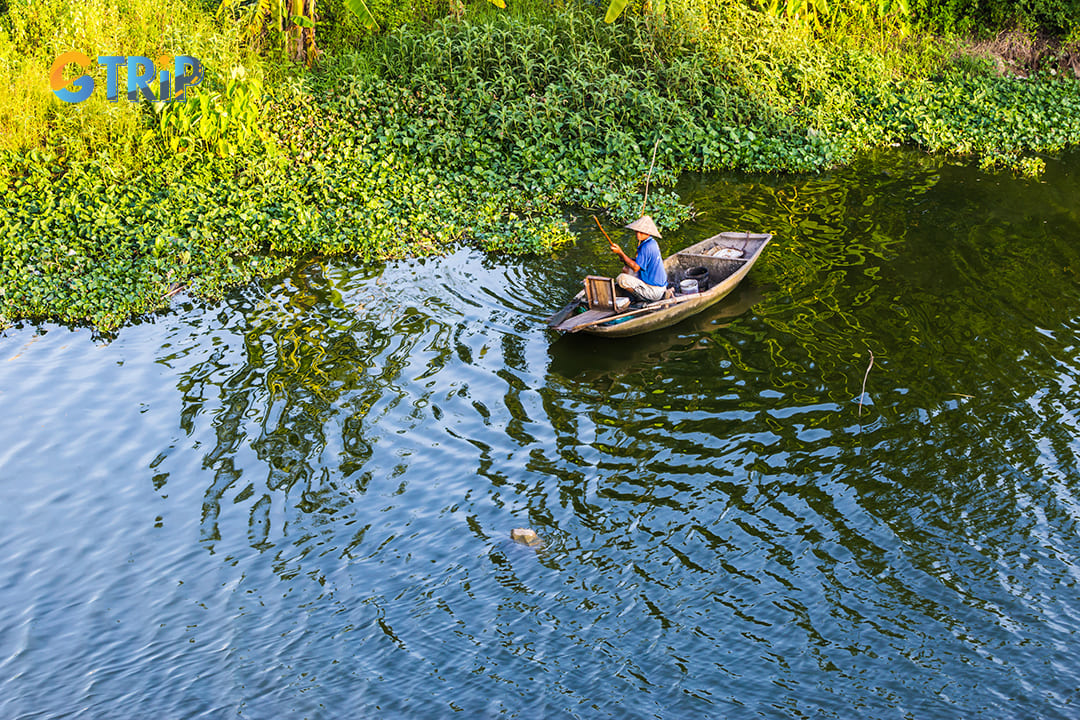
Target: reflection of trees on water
300,393
934,266
749,437
835,236
274,395
332,382
711,482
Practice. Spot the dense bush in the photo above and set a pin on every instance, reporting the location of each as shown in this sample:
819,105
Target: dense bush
340,31
973,16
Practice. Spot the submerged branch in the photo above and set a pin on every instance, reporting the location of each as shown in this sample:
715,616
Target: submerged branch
862,394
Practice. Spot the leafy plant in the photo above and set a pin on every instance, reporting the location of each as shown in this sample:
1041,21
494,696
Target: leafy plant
222,122
1060,17
360,10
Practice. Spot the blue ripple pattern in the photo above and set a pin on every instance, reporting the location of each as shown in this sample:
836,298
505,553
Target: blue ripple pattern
298,503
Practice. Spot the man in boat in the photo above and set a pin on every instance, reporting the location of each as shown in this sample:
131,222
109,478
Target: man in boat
643,276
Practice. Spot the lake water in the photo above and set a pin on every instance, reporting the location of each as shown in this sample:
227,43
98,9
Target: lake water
297,503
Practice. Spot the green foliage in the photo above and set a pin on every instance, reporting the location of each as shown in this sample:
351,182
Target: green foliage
863,88
949,16
285,27
999,119
812,76
816,15
988,16
81,241
222,122
33,34
574,96
614,10
478,129
361,11
342,29
972,65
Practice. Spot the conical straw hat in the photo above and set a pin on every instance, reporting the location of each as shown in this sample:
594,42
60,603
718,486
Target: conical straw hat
646,225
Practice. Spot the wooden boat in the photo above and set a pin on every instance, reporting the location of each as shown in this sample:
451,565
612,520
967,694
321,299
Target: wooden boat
728,257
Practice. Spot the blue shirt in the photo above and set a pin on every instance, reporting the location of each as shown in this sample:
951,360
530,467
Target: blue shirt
652,265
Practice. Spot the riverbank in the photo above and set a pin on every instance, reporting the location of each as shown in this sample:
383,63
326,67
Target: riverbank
479,129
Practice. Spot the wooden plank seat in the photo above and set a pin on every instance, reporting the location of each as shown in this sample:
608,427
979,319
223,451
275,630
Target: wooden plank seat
589,317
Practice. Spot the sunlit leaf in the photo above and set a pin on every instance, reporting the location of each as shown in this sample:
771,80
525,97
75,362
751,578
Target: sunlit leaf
226,6
614,10
360,10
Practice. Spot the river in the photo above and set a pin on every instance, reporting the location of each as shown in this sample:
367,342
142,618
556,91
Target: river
297,503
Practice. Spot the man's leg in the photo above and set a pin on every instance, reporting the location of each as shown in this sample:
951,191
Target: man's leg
639,288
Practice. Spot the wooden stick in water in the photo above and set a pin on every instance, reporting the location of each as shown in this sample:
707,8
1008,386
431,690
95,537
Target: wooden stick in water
862,394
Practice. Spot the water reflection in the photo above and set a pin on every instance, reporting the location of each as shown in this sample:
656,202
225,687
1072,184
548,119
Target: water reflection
724,534
716,512
719,518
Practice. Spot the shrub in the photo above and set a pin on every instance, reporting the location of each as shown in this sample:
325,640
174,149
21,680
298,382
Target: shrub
1060,17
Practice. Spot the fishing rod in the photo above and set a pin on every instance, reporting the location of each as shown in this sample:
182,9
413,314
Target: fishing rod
649,176
645,199
602,230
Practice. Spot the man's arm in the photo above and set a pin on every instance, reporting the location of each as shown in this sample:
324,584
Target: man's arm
629,261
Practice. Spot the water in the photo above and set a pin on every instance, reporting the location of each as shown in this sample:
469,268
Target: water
298,502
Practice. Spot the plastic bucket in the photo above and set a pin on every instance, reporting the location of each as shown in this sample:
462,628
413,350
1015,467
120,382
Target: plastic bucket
688,286
701,274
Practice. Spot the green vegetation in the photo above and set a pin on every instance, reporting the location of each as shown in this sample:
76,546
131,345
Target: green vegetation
974,16
33,34
479,126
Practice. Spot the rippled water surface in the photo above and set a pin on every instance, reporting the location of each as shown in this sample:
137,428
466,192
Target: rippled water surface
298,502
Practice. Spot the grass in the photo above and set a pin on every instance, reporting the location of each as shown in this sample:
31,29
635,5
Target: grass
34,34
